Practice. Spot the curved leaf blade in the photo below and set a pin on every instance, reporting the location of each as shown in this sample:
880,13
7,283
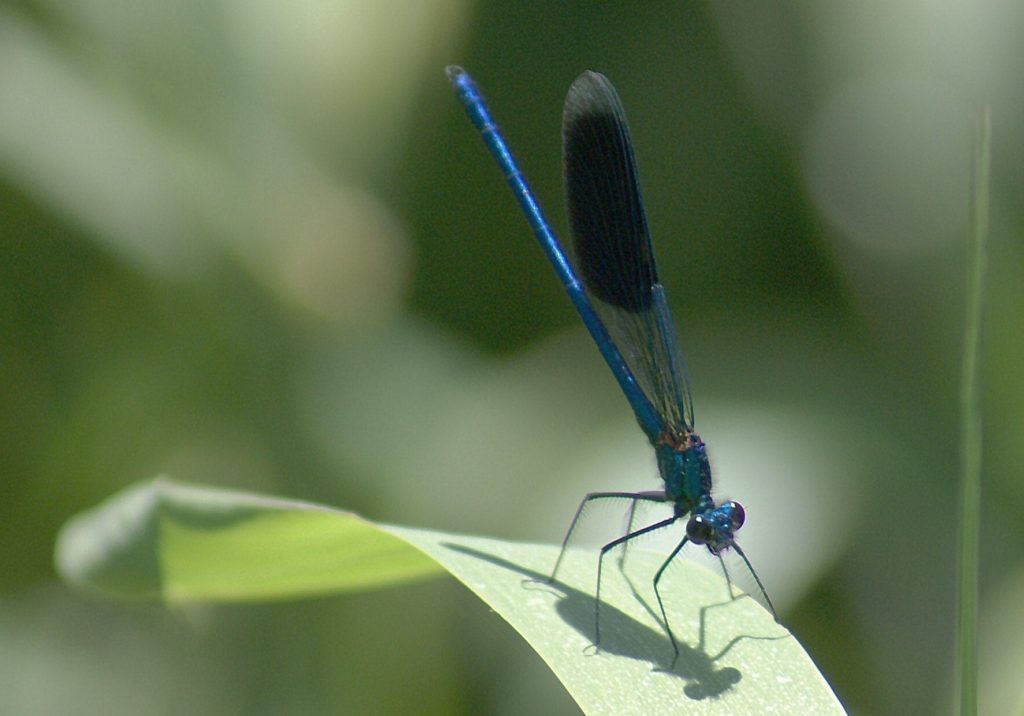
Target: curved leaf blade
181,543
188,543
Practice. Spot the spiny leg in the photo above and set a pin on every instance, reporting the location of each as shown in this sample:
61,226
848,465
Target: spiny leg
634,496
646,496
661,604
725,571
757,579
600,566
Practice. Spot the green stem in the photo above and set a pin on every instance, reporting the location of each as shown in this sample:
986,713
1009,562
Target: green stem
970,486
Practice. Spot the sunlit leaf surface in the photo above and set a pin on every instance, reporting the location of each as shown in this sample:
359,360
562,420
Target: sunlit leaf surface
187,543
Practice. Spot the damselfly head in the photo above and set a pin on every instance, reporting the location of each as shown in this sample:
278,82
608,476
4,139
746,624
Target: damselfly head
715,528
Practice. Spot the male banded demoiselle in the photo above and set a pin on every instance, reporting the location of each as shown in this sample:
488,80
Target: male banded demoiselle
623,305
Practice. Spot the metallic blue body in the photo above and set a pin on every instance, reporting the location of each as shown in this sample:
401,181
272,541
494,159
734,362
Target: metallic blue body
686,472
473,102
623,306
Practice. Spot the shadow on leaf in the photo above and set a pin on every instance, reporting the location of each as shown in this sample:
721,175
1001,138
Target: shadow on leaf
624,636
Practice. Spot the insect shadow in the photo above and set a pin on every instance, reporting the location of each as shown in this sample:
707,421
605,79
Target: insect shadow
622,635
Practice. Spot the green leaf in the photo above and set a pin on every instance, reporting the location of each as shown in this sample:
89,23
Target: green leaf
184,543
187,543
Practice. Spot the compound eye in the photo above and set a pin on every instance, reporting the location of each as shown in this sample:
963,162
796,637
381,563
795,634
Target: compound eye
737,515
699,530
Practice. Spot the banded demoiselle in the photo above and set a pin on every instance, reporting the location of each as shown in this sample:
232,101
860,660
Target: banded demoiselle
623,305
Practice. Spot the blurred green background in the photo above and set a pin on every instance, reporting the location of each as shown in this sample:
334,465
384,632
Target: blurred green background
257,245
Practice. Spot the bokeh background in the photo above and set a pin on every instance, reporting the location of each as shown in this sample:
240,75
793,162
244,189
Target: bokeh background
256,244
